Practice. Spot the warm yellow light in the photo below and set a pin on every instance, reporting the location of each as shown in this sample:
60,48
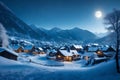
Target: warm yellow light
86,57
59,56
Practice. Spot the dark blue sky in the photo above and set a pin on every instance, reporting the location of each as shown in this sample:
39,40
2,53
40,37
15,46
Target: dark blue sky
64,14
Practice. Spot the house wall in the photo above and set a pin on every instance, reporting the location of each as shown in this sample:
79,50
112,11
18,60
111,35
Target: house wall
34,52
8,55
100,53
19,50
76,57
27,51
61,57
110,49
68,58
73,48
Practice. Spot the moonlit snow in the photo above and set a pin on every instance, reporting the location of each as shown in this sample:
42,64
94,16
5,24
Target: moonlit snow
16,70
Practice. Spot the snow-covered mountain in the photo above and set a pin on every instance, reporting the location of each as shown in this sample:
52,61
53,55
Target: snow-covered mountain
15,26
75,34
109,39
41,32
101,35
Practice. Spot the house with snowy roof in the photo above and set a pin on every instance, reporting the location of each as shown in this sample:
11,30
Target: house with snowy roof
51,54
92,49
76,55
67,55
17,48
94,58
62,48
38,50
79,48
4,52
88,55
100,53
105,51
29,48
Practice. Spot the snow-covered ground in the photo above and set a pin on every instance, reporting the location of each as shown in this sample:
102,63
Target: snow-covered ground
15,70
42,60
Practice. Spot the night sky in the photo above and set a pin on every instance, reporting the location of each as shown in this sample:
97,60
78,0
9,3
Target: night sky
64,14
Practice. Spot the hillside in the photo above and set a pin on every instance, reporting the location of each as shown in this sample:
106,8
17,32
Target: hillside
13,70
14,25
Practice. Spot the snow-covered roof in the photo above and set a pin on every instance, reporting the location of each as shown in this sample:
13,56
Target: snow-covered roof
95,44
8,50
93,48
28,47
109,53
26,42
74,52
104,48
71,53
66,53
40,48
88,54
78,46
62,48
53,51
14,47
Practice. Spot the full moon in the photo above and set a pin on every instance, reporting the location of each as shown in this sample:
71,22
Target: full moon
98,14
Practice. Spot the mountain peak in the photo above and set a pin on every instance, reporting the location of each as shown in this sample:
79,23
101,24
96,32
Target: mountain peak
33,25
55,29
76,28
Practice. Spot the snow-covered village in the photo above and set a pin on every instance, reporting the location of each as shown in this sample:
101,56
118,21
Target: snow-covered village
32,52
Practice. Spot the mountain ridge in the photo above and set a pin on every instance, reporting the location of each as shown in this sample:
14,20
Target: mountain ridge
17,27
14,25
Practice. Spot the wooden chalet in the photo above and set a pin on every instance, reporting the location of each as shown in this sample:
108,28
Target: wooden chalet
38,50
105,52
8,53
108,49
17,48
51,54
92,49
29,48
65,55
94,58
77,47
63,48
76,55
88,55
100,53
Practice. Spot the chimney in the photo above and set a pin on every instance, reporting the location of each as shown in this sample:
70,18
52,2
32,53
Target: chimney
68,49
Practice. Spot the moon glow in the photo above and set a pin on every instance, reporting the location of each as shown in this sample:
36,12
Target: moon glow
98,14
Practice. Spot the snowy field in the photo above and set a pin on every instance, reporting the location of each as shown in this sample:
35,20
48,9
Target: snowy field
42,60
14,70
